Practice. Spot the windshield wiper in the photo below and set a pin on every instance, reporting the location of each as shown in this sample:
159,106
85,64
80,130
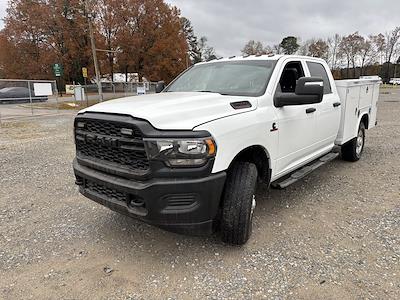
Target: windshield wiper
205,91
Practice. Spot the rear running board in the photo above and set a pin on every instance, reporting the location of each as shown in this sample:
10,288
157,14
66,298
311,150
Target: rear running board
300,173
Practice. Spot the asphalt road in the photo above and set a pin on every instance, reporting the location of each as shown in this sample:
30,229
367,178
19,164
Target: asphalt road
333,235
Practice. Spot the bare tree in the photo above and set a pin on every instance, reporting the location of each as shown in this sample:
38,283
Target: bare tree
206,52
254,48
392,39
334,56
277,49
366,53
304,48
268,49
319,49
350,47
379,44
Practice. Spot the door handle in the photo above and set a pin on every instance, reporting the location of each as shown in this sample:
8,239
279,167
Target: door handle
310,110
336,104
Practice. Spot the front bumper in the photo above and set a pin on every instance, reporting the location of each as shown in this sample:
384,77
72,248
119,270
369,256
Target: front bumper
183,205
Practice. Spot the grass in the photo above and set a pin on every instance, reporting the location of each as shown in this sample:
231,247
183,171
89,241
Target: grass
64,105
389,86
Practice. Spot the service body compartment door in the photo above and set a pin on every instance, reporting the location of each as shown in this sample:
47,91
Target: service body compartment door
358,97
374,105
328,120
350,97
366,94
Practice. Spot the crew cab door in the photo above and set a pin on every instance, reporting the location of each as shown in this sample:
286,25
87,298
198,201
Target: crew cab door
296,124
328,111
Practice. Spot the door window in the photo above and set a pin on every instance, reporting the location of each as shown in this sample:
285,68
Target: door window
318,70
291,73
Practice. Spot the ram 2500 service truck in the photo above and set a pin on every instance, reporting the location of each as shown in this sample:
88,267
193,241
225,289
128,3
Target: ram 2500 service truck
188,159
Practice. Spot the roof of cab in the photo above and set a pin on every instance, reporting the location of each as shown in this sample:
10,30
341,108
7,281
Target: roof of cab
258,57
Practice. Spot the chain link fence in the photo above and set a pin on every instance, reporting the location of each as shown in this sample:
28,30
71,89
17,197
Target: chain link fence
127,88
26,98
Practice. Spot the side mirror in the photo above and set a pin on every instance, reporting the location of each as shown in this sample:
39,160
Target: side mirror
160,86
309,90
310,86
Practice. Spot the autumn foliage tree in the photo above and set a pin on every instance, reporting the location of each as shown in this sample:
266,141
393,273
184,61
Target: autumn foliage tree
109,26
153,43
45,32
144,36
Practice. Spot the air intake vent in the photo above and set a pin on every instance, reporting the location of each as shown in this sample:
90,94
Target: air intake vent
180,202
241,104
104,191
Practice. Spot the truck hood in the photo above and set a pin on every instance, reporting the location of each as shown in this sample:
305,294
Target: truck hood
175,110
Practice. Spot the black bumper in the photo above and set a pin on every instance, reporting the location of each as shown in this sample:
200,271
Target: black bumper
187,206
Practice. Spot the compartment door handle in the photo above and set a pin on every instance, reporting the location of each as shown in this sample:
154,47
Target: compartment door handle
310,110
336,104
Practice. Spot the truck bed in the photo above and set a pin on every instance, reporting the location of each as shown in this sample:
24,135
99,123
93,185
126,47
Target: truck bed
358,97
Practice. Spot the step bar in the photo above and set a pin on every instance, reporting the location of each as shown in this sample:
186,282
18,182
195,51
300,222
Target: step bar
304,171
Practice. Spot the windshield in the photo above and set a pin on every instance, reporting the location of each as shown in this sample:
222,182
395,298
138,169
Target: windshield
236,78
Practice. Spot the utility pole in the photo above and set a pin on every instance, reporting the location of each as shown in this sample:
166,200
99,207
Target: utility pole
96,63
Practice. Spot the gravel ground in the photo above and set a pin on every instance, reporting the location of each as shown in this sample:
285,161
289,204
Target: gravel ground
333,235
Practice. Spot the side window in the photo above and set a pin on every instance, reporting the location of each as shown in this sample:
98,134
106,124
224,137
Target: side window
292,71
318,70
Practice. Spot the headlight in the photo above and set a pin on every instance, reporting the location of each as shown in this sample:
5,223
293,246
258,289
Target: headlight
181,152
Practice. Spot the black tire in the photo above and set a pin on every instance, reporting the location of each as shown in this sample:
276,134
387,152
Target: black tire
238,207
350,150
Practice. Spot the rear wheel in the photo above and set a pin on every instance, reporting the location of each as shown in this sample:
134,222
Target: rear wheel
352,150
238,203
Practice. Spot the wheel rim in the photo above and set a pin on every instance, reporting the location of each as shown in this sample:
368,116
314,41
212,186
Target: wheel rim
360,142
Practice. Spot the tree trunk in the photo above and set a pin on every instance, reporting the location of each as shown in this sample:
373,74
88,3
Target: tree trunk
362,67
111,63
354,68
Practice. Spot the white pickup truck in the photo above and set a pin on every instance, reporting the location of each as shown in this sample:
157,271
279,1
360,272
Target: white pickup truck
189,158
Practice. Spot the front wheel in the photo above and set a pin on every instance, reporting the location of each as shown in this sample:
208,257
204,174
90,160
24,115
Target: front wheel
239,203
352,150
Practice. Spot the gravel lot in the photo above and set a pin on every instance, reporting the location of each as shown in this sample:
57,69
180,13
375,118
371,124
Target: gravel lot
334,235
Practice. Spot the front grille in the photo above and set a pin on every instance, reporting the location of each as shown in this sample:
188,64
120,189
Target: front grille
111,144
135,160
110,128
104,191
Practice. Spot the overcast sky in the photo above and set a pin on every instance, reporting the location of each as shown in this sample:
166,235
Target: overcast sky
229,24
3,6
